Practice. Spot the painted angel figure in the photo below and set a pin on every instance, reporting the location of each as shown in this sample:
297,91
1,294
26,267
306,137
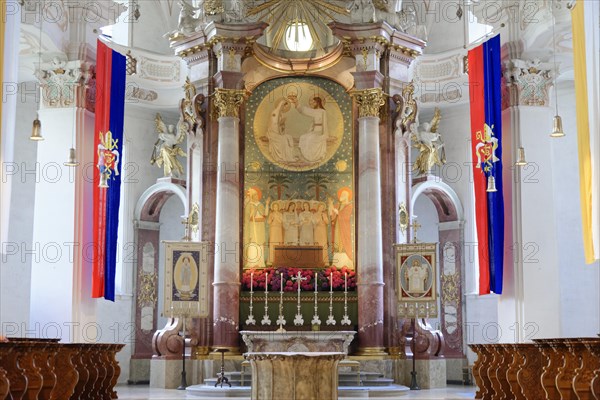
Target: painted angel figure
166,148
430,144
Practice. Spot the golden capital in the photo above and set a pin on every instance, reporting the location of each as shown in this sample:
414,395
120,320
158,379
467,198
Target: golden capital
228,101
369,102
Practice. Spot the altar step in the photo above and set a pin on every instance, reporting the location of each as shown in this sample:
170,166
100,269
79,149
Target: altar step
345,378
372,385
209,392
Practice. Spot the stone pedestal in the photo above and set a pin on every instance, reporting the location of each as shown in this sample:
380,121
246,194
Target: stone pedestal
300,376
431,374
166,374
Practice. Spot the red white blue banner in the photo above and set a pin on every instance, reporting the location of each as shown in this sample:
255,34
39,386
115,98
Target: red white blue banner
108,142
485,74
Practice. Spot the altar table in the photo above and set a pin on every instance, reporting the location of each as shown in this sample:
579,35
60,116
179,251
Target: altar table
299,256
298,341
294,375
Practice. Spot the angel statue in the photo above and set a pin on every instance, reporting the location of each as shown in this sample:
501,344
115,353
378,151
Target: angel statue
430,144
166,148
188,21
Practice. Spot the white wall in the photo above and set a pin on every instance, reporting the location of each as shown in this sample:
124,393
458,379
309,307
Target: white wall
579,283
16,264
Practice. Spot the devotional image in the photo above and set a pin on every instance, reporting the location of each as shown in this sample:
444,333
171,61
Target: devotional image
185,276
299,180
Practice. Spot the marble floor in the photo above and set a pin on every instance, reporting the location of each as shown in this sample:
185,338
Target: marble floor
145,393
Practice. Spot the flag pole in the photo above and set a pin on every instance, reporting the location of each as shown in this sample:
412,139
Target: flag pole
414,385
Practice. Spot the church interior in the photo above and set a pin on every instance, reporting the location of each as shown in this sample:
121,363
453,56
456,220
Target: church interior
300,199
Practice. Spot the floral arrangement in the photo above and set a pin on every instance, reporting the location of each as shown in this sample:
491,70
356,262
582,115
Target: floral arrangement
321,277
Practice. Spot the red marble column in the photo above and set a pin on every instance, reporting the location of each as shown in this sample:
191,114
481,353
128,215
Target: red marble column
370,253
226,310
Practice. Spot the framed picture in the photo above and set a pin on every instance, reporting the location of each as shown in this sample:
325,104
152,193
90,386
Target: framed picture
416,271
186,279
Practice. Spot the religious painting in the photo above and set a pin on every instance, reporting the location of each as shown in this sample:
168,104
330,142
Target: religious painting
186,279
416,272
298,207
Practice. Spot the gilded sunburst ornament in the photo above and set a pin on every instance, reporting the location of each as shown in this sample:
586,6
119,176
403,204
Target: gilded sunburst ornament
299,14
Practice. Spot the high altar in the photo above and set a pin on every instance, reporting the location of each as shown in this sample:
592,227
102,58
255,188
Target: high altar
298,162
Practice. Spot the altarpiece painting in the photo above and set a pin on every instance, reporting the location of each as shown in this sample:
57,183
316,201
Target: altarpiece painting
299,175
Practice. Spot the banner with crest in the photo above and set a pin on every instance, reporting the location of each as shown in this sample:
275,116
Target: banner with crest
108,144
485,74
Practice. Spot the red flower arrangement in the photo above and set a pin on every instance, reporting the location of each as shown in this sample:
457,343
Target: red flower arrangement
321,277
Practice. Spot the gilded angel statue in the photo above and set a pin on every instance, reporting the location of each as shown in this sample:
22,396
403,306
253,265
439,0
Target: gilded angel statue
166,148
430,144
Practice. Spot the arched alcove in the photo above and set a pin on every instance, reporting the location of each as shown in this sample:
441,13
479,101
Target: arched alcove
451,264
170,196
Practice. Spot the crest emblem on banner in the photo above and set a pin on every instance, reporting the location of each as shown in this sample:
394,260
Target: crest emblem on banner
486,148
108,158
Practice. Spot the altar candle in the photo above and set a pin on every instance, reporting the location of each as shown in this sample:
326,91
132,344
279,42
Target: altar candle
266,282
345,281
331,282
251,282
281,284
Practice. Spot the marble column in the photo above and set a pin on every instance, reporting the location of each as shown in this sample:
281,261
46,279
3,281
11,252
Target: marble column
370,253
227,231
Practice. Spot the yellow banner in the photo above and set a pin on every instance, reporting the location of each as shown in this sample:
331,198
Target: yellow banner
583,129
2,29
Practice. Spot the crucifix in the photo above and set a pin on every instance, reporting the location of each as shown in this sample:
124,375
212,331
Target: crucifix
415,226
298,320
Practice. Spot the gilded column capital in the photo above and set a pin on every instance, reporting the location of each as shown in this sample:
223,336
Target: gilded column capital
228,101
369,102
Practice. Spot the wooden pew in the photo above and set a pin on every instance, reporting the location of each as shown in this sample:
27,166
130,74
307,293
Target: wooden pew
529,374
553,369
518,360
33,369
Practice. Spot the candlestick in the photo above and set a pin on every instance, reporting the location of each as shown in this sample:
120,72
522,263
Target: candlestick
280,320
330,319
266,320
331,282
250,320
298,320
316,320
345,319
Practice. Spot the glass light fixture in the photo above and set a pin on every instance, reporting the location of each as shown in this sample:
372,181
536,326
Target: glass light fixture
36,130
557,130
521,162
491,187
72,160
298,37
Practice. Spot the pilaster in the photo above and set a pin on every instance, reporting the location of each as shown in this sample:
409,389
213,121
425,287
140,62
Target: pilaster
530,223
68,97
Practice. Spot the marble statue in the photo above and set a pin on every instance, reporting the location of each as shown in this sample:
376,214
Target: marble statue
166,149
361,11
188,20
429,143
